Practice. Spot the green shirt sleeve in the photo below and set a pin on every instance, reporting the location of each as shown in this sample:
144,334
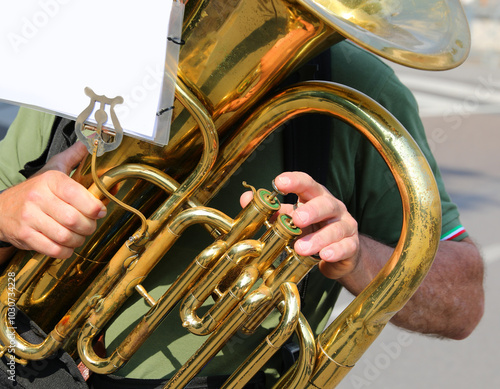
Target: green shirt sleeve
375,201
25,140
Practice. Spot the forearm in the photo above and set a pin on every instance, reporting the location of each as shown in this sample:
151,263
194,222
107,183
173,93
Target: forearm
450,300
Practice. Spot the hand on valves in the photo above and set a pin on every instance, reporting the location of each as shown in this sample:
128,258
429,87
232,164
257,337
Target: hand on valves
328,228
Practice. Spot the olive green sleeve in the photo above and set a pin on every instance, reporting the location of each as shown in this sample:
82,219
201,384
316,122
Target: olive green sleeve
25,140
376,202
406,110
401,103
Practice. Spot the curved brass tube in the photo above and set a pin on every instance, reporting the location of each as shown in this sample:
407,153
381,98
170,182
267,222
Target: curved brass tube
245,224
415,251
419,222
397,147
24,349
237,253
297,376
8,298
266,349
108,306
300,373
388,136
105,281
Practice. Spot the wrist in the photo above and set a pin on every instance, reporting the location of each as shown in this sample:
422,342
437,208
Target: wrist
371,257
358,278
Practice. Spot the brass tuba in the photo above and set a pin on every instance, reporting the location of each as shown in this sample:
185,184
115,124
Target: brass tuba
235,53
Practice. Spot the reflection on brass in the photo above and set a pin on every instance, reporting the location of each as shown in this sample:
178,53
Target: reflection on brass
235,52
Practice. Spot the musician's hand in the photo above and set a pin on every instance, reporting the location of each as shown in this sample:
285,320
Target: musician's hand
328,228
50,213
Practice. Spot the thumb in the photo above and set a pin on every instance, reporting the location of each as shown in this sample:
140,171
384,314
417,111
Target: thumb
67,160
245,198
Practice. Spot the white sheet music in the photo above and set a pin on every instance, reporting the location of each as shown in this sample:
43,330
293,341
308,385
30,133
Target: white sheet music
52,49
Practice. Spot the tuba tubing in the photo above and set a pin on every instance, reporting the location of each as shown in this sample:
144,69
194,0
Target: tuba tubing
345,340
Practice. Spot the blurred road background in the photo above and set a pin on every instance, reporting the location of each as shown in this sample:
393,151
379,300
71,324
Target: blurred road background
461,112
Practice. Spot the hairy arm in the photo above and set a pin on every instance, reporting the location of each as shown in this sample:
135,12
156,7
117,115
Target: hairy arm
450,300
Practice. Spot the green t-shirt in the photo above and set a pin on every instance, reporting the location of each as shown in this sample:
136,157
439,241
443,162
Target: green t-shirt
25,140
357,175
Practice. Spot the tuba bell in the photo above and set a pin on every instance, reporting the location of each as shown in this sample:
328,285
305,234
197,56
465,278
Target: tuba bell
235,54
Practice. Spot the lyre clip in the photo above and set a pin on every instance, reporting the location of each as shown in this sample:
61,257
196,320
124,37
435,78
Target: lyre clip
101,117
